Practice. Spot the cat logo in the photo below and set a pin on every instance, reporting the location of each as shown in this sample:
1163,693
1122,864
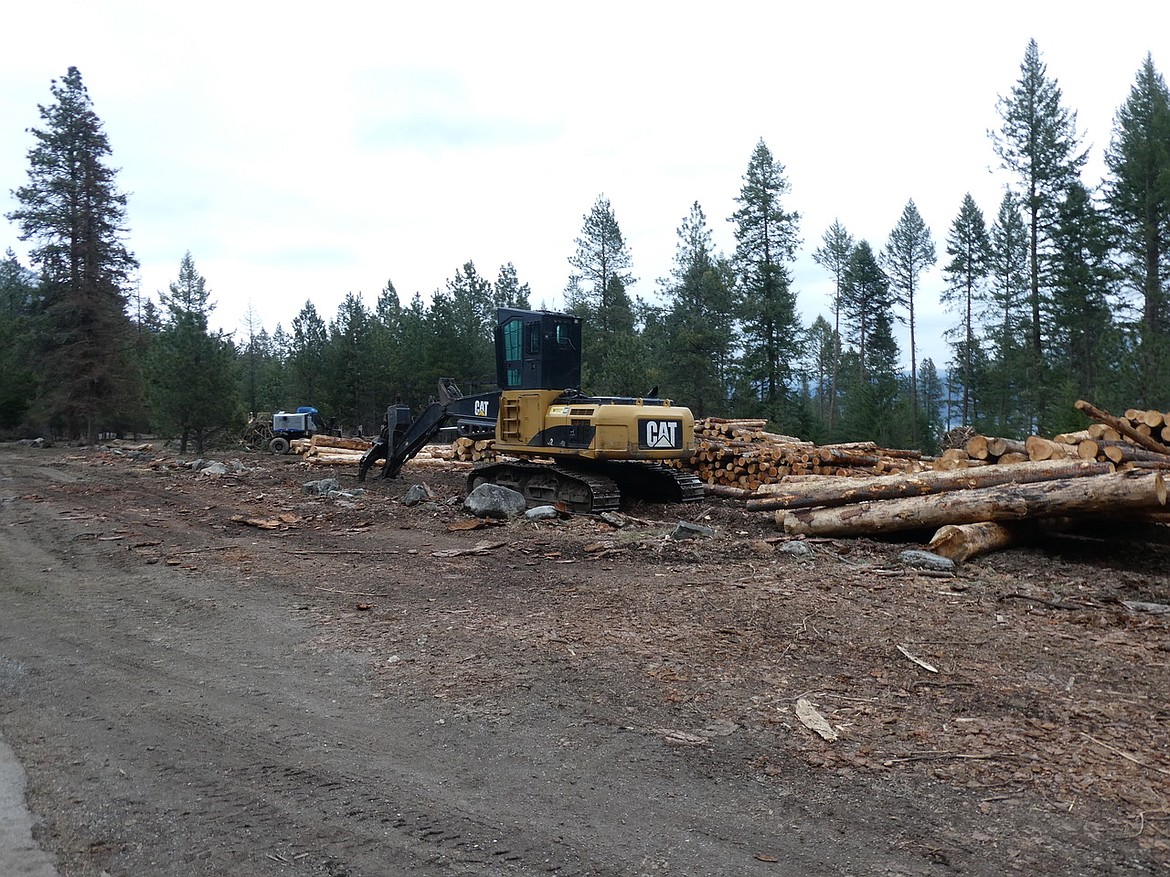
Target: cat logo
481,408
661,434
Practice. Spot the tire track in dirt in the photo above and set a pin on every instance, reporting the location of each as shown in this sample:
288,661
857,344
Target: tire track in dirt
133,662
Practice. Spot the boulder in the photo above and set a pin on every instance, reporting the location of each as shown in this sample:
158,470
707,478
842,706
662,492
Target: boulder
494,501
686,530
417,493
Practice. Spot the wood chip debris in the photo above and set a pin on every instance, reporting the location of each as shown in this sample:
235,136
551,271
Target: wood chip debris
812,719
930,668
478,548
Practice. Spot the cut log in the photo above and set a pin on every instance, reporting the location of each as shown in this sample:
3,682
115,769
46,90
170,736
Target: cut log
1103,432
1122,426
1117,493
1040,449
998,446
977,447
1125,452
1072,438
961,542
831,492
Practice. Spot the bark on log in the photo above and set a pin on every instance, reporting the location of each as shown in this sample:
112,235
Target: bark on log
1122,426
1118,493
1012,457
727,491
840,491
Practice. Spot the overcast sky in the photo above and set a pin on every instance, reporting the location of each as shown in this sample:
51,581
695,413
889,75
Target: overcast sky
301,152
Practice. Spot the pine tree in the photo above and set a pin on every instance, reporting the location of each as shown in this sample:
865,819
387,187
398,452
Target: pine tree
18,333
766,241
388,364
1138,196
1039,143
699,332
254,356
867,296
348,365
463,318
419,376
601,256
1082,332
833,255
306,359
1014,380
508,291
597,292
932,401
73,213
908,253
822,355
193,376
966,273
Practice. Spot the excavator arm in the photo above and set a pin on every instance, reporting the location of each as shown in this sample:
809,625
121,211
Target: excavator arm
397,445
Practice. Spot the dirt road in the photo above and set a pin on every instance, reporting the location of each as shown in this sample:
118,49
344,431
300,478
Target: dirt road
226,676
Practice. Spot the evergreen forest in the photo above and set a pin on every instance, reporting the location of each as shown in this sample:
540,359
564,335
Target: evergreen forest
1060,291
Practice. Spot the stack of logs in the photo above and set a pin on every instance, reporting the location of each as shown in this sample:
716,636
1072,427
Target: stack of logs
1000,493
469,450
325,450
739,455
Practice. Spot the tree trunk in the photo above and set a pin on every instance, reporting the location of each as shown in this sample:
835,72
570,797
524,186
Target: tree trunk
844,491
1114,494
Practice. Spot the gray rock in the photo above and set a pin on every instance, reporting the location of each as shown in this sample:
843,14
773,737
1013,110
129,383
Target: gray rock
417,493
686,530
795,549
213,470
926,560
614,519
324,486
195,465
542,513
494,501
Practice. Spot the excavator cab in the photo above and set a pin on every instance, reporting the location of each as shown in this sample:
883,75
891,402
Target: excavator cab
538,365
537,350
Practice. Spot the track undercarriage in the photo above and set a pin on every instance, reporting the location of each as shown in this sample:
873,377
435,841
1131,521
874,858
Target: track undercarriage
589,487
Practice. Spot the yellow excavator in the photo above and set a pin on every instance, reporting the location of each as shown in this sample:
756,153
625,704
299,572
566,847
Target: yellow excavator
553,443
